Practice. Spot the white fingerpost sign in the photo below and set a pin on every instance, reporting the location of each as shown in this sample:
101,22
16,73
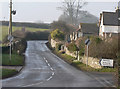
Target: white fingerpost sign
106,62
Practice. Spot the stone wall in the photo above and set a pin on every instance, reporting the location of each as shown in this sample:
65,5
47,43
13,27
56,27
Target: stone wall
53,43
73,54
93,62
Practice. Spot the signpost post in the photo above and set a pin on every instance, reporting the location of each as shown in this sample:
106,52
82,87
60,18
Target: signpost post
87,43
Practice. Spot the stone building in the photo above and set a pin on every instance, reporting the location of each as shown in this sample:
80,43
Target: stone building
85,29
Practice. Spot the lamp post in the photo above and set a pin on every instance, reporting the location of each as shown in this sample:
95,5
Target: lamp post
10,37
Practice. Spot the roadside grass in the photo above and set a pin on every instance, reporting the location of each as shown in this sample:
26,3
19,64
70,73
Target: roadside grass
7,73
16,60
82,66
65,57
4,30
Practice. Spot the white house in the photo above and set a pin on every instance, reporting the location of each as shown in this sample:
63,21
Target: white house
109,23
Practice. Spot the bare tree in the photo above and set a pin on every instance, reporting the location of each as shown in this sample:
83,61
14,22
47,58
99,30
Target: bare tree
72,8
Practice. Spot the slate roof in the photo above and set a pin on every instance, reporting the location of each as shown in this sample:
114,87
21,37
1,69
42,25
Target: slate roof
89,28
111,18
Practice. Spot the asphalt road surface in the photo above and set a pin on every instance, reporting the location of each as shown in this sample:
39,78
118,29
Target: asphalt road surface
44,69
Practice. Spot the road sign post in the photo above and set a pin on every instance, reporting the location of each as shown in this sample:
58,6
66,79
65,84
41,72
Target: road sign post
87,43
87,56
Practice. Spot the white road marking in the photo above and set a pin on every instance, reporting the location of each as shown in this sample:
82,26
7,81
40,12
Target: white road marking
51,68
53,73
46,61
32,84
101,82
49,78
107,81
49,65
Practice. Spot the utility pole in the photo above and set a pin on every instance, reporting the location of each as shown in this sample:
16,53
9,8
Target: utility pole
10,37
10,27
10,21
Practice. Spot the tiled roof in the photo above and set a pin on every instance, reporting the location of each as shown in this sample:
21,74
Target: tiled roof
111,18
89,28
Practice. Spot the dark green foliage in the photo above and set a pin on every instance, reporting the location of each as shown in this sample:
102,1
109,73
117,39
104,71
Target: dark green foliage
7,73
58,46
81,52
37,35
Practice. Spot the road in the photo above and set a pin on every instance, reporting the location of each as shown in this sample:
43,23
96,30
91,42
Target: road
44,69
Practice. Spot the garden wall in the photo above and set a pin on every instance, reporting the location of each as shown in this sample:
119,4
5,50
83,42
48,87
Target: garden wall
93,62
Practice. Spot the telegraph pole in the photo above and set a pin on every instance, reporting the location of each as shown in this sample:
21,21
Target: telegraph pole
10,27
10,37
10,21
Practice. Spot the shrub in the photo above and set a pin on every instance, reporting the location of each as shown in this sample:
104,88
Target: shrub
58,46
104,48
81,45
57,35
72,47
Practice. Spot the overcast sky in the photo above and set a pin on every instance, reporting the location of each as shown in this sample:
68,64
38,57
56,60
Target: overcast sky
47,11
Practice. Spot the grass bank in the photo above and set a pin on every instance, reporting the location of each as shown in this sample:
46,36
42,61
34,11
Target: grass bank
7,73
16,60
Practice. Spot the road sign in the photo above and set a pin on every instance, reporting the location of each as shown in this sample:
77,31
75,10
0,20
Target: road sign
87,42
10,38
106,62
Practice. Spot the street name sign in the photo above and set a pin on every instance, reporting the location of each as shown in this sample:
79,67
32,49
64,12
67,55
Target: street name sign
106,62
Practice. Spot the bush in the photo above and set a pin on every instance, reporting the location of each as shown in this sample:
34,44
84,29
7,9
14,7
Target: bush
58,46
81,45
96,39
72,47
57,35
104,48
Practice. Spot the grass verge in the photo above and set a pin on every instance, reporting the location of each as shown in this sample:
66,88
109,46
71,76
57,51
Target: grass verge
7,73
16,60
82,66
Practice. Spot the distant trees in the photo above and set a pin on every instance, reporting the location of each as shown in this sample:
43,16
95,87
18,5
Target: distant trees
63,26
72,8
